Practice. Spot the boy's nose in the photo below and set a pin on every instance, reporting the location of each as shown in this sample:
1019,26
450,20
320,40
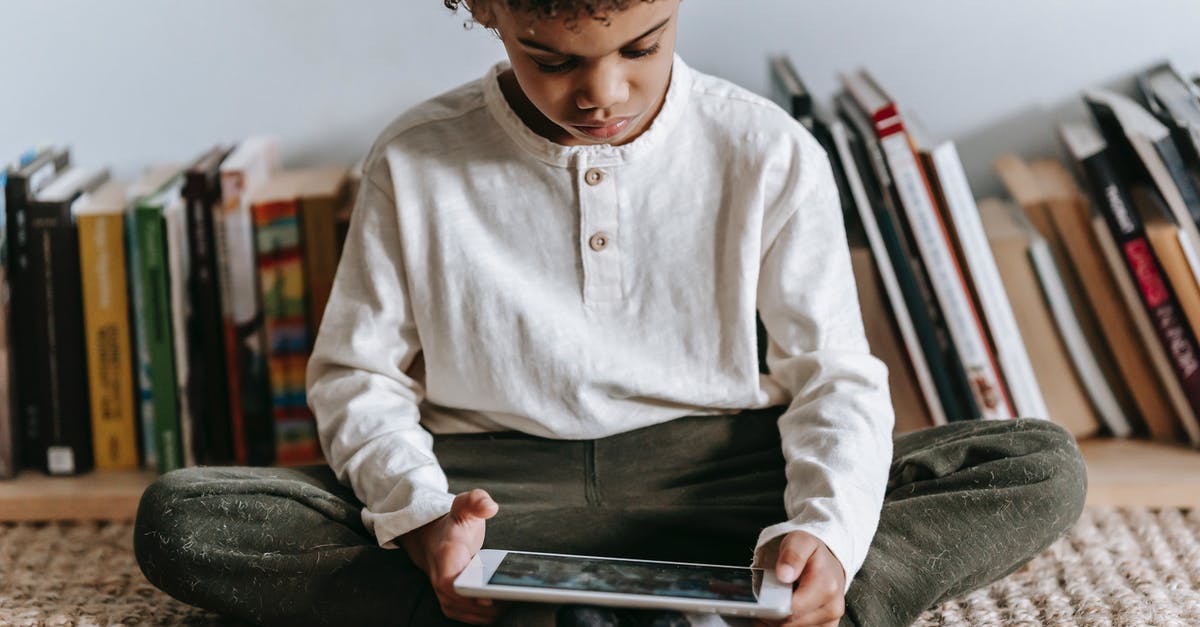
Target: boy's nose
602,88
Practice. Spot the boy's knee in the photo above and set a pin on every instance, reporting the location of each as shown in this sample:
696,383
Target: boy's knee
162,521
1061,465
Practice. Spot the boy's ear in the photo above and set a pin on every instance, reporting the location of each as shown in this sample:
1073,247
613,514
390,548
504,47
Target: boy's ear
483,12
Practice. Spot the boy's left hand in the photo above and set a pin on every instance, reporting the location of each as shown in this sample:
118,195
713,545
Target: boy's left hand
819,598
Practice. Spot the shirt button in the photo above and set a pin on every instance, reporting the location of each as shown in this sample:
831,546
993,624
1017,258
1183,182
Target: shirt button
599,241
594,176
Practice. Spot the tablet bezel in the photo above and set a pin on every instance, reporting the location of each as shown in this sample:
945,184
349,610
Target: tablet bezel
774,598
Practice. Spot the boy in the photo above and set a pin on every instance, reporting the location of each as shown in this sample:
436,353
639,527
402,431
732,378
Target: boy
542,337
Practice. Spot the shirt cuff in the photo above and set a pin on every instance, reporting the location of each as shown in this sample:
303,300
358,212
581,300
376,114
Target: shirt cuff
389,526
766,551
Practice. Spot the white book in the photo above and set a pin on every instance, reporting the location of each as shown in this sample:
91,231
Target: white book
887,272
948,287
251,164
997,310
1145,328
178,264
1069,329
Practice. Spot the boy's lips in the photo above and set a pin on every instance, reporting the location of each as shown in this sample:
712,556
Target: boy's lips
606,129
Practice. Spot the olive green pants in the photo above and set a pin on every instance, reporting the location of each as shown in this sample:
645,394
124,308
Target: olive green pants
966,504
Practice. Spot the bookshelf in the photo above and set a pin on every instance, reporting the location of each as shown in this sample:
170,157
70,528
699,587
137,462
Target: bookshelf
1129,473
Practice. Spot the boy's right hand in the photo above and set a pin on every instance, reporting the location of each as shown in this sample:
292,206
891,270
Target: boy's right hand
444,547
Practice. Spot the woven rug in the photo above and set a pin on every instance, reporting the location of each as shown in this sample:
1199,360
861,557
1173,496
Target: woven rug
1116,567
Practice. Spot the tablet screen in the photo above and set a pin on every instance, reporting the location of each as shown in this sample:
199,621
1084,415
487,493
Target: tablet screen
625,577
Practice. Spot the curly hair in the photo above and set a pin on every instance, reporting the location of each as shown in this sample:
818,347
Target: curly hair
550,9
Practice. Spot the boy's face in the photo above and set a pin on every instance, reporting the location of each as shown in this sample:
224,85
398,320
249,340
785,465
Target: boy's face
588,82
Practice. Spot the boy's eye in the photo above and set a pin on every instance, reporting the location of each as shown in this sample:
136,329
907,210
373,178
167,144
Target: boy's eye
644,52
551,68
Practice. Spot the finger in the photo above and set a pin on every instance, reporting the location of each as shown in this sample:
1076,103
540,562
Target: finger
828,614
817,588
794,553
474,504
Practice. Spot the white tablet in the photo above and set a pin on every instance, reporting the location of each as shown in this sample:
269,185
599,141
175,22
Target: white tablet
553,578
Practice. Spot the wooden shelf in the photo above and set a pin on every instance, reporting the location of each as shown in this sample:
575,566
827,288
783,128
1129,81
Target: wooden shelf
100,495
1141,473
1120,472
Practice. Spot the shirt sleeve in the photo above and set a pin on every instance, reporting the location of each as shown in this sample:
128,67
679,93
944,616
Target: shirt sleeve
836,432
366,404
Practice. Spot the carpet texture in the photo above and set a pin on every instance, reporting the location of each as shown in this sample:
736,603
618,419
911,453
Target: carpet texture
1120,567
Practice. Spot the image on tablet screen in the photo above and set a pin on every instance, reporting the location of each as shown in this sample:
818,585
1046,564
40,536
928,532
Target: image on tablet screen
625,577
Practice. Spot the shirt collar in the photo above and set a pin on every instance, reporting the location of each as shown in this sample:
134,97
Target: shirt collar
597,154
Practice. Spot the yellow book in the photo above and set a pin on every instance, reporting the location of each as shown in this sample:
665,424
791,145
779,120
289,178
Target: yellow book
100,219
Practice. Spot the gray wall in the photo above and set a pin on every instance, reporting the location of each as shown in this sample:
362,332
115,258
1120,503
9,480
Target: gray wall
133,82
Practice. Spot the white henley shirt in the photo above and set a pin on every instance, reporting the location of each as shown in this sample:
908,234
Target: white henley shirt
495,280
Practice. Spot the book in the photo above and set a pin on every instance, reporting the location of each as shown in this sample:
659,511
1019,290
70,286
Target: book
22,183
1163,234
915,360
789,90
250,165
1012,240
150,274
961,215
1162,428
326,193
57,349
173,217
1073,214
100,219
207,392
10,435
1142,151
883,336
1176,103
1076,320
944,365
1091,152
934,246
277,208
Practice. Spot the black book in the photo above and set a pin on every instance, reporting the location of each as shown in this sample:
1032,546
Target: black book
207,390
56,350
949,375
1176,103
22,183
789,91
1141,149
1114,201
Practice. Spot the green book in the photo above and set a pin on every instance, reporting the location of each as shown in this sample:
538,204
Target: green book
152,273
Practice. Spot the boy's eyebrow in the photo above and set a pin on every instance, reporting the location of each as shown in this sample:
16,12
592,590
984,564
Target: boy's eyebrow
529,43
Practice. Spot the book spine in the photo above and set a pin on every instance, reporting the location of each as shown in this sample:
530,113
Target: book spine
209,392
106,326
191,435
66,444
26,418
224,222
1155,292
948,284
154,277
1164,425
285,308
8,431
944,364
141,354
977,253
320,253
890,277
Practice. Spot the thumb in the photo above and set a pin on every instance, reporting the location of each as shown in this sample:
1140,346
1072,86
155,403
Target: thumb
474,504
794,553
